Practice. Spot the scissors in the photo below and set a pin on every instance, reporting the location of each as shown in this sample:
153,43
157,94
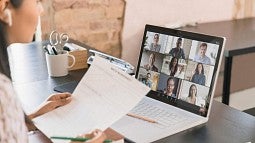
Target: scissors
58,40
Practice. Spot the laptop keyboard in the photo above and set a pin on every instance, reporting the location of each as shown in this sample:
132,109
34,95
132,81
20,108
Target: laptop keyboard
164,118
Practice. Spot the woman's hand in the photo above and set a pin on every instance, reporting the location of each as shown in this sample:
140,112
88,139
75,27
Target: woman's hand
96,136
52,102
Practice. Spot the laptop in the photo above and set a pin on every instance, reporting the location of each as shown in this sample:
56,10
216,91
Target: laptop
181,68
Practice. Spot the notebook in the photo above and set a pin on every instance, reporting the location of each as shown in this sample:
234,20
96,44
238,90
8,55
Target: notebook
181,68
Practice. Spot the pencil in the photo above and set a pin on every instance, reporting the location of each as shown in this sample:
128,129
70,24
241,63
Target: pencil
76,139
142,118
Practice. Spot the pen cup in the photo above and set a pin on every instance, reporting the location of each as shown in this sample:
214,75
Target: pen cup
57,65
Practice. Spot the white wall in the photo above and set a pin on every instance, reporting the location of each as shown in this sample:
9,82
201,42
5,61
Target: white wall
172,12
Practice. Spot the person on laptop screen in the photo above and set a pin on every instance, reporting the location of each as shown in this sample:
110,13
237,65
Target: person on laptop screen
150,65
155,46
192,94
201,57
180,73
178,52
173,66
18,21
146,80
170,85
199,76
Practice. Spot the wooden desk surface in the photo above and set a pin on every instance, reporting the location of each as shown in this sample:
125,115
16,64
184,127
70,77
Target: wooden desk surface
33,85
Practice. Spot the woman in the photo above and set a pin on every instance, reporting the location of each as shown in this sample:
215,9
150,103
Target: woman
155,46
199,77
180,73
173,66
18,21
192,94
150,65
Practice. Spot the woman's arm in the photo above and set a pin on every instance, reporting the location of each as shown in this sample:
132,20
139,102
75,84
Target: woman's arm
52,102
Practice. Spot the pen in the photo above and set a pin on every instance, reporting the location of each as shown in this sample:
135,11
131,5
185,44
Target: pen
50,49
142,118
46,49
77,139
54,50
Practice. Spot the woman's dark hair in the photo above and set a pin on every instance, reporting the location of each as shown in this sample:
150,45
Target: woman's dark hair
156,35
193,85
4,62
171,65
197,72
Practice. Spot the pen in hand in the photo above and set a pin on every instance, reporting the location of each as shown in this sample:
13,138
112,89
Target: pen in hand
141,117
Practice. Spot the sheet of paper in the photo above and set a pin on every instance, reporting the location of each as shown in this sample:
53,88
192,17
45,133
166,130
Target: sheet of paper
103,96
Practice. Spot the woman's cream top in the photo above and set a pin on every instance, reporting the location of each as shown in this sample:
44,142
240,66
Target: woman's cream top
12,122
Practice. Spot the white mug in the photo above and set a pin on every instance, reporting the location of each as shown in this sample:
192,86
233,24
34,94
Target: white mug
58,64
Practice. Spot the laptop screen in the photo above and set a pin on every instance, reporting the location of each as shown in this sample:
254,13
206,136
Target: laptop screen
179,66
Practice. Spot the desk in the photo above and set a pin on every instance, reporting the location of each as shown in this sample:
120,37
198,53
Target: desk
33,85
240,40
30,76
